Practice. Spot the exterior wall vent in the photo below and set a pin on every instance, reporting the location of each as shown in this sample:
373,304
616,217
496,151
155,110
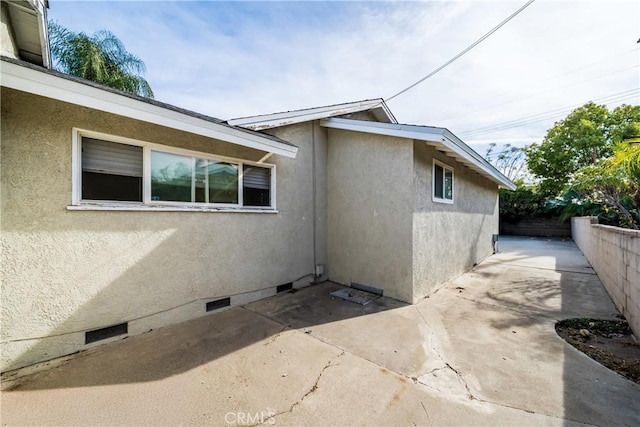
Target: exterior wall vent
285,287
219,303
104,333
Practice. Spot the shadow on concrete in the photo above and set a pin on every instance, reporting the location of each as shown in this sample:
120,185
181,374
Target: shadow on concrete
591,393
179,348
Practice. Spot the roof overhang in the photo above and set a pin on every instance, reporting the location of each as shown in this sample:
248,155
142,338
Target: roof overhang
267,121
29,22
441,138
50,85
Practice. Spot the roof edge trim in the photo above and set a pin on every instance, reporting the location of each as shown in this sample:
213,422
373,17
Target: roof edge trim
268,121
46,84
438,136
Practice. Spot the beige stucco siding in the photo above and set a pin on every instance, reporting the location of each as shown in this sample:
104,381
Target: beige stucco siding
448,239
7,37
64,272
311,134
370,206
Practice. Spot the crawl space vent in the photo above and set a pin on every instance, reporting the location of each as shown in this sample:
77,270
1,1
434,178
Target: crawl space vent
285,287
219,303
104,333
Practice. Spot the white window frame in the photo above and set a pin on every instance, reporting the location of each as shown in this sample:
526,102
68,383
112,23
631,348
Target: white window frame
77,203
445,167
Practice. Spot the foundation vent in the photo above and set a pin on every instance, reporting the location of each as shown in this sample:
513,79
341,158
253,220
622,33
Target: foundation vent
104,333
219,303
285,287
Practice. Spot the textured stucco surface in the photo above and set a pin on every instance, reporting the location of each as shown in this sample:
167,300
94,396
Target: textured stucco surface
64,272
614,253
7,40
370,204
449,239
311,134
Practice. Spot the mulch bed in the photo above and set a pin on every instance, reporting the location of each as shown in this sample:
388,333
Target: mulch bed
609,342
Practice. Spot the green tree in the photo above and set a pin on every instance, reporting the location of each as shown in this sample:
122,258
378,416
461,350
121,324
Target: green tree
101,58
609,186
510,160
581,139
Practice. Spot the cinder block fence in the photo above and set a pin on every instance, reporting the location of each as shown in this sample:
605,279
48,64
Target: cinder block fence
614,253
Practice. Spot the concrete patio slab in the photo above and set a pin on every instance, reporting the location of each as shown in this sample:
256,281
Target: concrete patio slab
481,351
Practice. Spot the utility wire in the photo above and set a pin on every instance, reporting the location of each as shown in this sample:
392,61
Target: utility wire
541,119
522,121
474,44
458,114
626,93
546,91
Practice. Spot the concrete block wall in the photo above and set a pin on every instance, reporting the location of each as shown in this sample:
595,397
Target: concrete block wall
614,253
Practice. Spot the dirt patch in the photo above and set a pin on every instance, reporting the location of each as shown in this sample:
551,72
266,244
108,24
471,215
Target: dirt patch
608,342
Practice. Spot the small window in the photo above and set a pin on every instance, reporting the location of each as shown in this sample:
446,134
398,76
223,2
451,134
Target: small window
442,183
111,171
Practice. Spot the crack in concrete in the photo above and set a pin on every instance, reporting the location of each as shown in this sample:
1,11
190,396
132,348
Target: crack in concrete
426,413
461,379
313,388
276,336
542,268
446,364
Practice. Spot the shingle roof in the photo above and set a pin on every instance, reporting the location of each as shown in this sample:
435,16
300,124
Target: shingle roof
141,99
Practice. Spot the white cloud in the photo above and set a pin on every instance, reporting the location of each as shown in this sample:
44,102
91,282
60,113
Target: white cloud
275,57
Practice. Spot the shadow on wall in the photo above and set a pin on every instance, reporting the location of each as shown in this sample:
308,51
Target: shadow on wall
170,351
124,269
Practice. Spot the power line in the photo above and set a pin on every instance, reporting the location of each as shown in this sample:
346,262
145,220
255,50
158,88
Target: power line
608,98
474,44
522,121
525,123
543,92
551,117
486,107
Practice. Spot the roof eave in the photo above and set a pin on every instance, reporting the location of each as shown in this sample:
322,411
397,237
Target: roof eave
48,85
440,137
37,12
269,121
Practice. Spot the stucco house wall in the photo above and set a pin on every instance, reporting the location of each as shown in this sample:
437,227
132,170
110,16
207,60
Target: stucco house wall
7,37
370,207
65,272
310,134
448,239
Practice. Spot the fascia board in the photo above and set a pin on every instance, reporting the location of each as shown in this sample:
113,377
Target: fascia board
44,35
439,136
454,144
268,121
388,112
50,86
389,129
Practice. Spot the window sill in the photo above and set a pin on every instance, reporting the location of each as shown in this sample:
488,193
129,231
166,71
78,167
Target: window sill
157,208
444,201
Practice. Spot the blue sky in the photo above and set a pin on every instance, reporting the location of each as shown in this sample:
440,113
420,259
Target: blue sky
233,59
